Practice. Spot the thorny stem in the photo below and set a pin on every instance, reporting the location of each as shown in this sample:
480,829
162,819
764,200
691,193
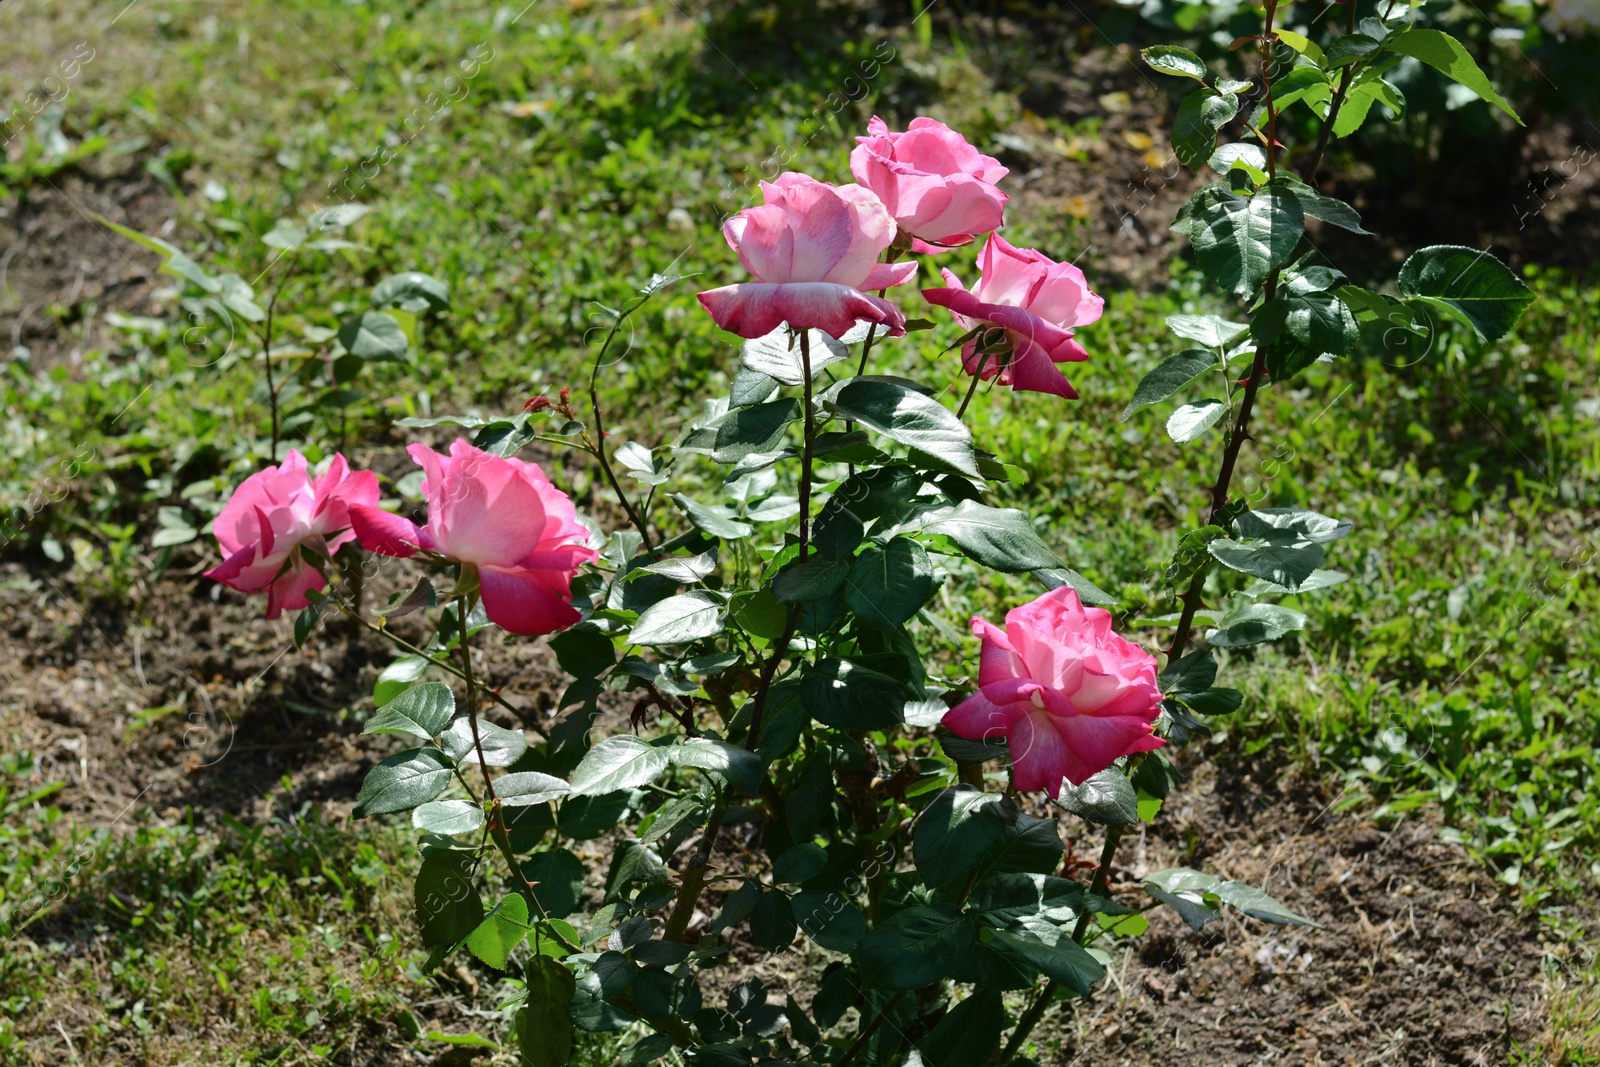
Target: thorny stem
599,442
866,1034
1258,371
1338,100
497,829
694,876
1036,1010
443,664
266,351
977,376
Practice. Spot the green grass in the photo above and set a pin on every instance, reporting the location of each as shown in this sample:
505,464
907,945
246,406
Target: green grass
1454,671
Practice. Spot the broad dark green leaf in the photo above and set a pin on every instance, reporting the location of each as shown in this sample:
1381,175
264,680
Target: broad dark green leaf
1170,375
1351,48
1107,798
543,1027
1255,624
903,414
422,711
1193,673
1333,211
1002,538
964,829
1003,898
777,355
412,290
889,585
1088,592
829,919
807,583
799,863
741,769
1170,59
1052,950
1299,328
840,693
758,428
1194,129
447,817
718,520
558,880
501,747
584,651
1191,420
1447,55
529,787
914,947
374,336
1239,240
619,762
772,921
1468,283
403,781
970,1033
679,620
447,903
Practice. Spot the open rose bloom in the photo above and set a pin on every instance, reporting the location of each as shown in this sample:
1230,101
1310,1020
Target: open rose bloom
1070,696
1036,302
813,248
502,516
939,189
277,511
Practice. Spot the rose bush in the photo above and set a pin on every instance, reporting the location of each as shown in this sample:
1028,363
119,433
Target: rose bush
773,645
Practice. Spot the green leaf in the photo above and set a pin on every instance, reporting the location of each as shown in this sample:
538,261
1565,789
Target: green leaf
542,1025
1107,798
1208,330
777,355
964,829
1192,420
741,769
1255,624
1239,240
500,932
1298,328
685,569
558,877
1303,82
1179,62
1258,905
970,1033
1088,592
759,613
889,585
1445,54
374,336
447,817
422,711
1351,48
772,921
1193,673
1002,538
915,947
799,863
1199,891
403,781
717,520
501,747
829,919
679,620
1243,156
304,622
584,651
814,580
1279,545
1329,209
758,428
1052,950
1468,283
840,693
338,217
902,414
619,762
523,788
1171,375
1194,129
447,904
1003,898
413,291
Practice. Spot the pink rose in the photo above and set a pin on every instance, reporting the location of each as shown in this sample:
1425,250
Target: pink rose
274,513
938,187
812,247
1070,696
502,516
1036,302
